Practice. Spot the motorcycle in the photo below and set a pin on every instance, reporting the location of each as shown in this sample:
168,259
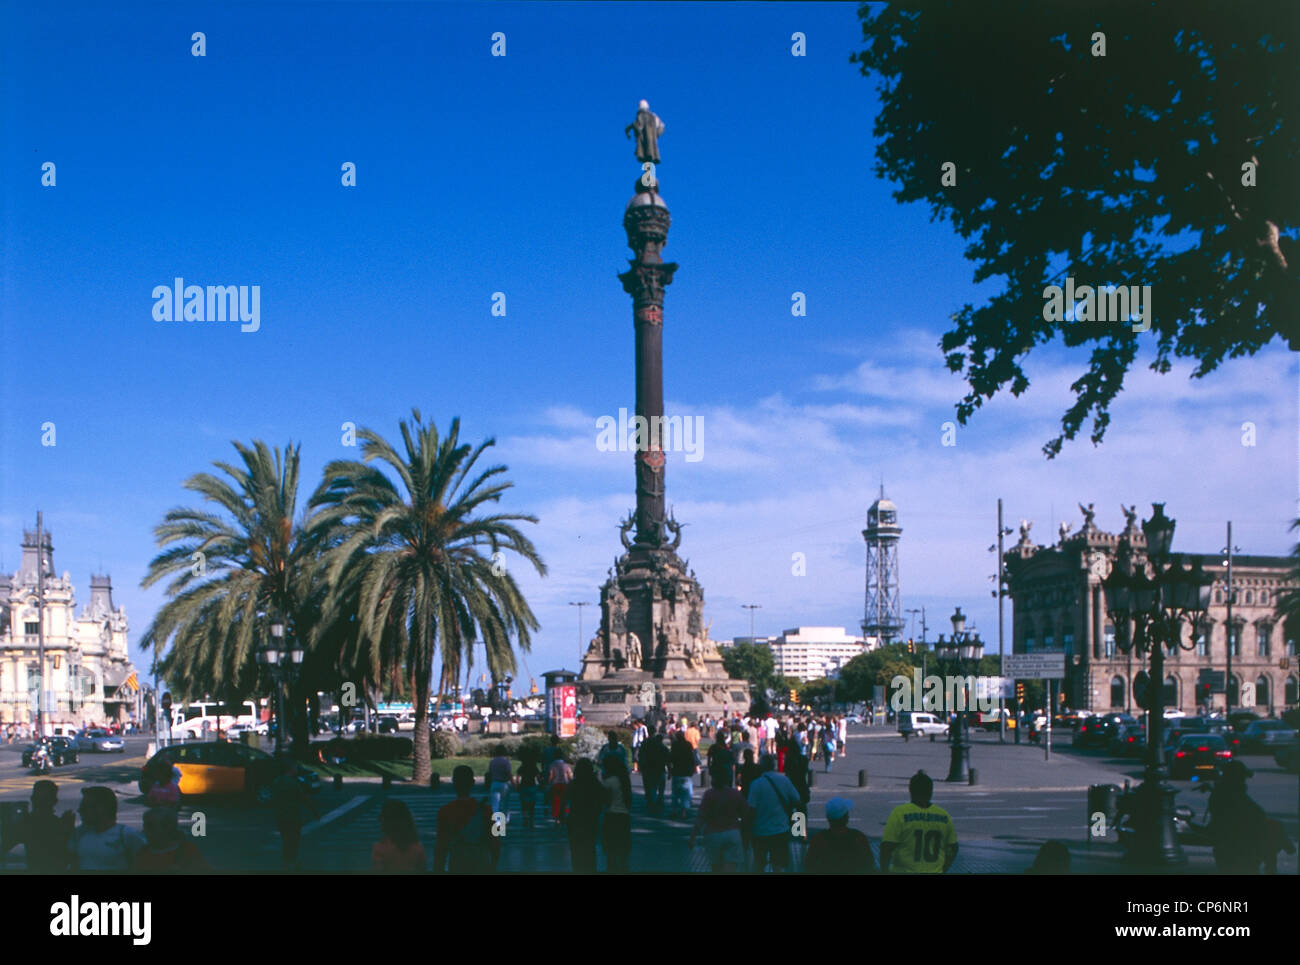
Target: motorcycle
1187,829
41,763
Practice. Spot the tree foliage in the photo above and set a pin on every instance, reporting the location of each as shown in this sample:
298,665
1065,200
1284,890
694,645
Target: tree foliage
1119,169
752,662
421,563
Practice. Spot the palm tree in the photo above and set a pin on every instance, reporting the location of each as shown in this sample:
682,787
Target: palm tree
231,571
412,553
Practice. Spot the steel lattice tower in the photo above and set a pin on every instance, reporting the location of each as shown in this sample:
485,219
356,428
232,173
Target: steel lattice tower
883,615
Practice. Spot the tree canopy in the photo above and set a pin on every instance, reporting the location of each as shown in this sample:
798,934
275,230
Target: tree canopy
1137,143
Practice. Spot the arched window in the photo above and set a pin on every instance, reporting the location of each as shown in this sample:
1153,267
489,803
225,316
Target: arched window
1117,691
1250,596
1263,635
1292,691
1262,696
1171,695
1263,597
1203,639
1234,691
1234,639
1108,640
1218,596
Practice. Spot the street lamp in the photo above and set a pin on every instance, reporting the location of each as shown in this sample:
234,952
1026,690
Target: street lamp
961,653
1156,595
282,660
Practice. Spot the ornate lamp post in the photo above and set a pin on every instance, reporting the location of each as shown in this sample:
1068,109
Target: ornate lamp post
1155,595
282,660
962,653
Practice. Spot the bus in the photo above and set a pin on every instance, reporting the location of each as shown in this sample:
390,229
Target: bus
200,718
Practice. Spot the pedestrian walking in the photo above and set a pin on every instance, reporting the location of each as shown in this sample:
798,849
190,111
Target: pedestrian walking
684,764
399,851
558,777
828,747
839,850
842,727
653,762
498,779
919,836
1238,827
465,843
721,762
290,805
772,800
528,780
586,798
721,819
616,825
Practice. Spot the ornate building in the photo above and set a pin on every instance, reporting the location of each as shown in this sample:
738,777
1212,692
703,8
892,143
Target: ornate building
1058,604
86,660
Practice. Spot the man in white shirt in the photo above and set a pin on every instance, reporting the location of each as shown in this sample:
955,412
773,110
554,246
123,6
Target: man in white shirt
769,733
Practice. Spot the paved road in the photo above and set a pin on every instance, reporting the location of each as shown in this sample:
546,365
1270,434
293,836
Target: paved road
1021,801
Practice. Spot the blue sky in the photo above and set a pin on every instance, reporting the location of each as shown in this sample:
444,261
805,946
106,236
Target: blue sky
478,174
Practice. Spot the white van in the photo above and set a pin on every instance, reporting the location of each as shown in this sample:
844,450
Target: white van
916,722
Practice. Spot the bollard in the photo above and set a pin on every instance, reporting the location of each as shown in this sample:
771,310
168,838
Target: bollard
862,778
974,777
931,738
338,782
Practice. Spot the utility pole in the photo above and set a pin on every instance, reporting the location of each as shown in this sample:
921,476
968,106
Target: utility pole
580,651
1228,640
40,629
1002,713
751,607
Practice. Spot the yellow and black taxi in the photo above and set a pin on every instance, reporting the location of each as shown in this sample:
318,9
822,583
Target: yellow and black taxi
220,767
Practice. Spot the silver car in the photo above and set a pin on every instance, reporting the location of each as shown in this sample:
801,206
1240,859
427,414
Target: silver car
100,742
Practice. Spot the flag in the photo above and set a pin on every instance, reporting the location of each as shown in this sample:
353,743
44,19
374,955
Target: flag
132,682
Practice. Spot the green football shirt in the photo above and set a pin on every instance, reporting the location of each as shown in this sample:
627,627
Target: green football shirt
922,837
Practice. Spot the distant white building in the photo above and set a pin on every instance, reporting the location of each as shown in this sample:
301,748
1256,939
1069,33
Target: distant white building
89,676
810,653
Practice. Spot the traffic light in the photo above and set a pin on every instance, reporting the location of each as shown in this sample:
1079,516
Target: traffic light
794,696
911,647
1020,691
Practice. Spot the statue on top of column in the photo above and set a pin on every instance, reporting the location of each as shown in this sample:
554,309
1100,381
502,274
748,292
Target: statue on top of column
648,127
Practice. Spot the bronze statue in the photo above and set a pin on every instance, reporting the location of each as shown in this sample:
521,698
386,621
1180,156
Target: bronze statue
648,127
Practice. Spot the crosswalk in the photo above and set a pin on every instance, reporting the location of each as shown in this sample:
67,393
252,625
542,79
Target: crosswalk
658,845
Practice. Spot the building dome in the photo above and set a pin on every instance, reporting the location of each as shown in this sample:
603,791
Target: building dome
647,199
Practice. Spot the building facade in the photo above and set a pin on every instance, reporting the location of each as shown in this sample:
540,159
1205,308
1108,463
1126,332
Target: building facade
1058,604
811,653
88,672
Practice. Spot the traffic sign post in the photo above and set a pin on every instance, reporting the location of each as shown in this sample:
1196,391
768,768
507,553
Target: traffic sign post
1034,666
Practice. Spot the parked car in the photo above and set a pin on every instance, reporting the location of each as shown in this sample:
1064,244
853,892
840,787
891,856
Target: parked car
387,725
916,722
236,732
1200,755
221,767
1266,736
63,750
989,719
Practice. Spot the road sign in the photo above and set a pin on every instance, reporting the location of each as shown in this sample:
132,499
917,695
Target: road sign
1034,666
